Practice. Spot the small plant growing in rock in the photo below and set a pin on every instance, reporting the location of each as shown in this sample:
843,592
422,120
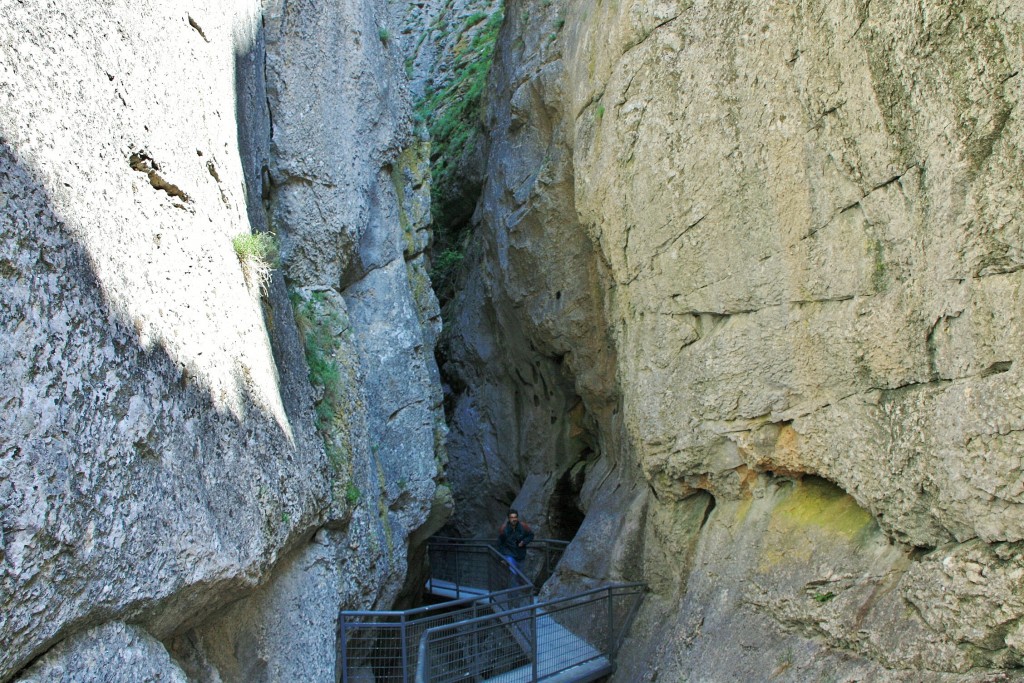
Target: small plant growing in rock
352,493
384,35
444,270
474,19
258,253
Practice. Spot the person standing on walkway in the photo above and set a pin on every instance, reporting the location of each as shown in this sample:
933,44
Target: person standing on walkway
513,537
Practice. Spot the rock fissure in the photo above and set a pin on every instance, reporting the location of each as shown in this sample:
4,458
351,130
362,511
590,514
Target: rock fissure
791,487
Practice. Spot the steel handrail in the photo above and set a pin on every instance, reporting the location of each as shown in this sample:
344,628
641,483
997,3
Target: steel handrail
403,633
554,601
454,540
518,576
440,607
484,546
406,621
550,551
624,590
406,625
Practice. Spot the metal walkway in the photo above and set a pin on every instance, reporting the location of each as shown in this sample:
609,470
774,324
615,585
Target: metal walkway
494,630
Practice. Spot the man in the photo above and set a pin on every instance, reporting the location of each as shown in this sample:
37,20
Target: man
513,537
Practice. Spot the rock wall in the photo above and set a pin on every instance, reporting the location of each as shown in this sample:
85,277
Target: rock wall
165,459
745,291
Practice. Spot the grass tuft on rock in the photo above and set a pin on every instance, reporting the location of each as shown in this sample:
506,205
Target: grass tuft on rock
259,254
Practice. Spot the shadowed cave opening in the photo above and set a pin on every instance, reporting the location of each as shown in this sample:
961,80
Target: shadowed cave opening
565,516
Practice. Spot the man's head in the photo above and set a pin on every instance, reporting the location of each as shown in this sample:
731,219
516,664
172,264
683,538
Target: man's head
513,516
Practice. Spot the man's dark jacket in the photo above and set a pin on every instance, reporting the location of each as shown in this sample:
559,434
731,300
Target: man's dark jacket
509,537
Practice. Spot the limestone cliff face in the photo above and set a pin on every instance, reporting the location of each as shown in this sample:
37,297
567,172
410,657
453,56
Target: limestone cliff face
163,452
746,291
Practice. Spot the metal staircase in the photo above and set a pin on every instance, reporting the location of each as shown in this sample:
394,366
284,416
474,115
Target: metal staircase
493,630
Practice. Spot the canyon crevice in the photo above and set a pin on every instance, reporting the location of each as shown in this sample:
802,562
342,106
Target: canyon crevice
732,302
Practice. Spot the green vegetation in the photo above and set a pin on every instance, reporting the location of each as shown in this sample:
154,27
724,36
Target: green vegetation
258,253
352,493
319,326
600,112
824,597
474,19
445,269
260,246
559,25
453,115
384,35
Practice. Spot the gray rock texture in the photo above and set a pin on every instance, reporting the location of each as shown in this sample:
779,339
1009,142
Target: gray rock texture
115,652
429,34
162,449
158,444
723,247
350,199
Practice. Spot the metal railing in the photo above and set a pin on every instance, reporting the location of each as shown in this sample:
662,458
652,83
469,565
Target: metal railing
382,646
541,555
493,629
576,637
472,568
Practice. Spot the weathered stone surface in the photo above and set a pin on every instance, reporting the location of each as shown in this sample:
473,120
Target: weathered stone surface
348,173
429,34
350,197
817,272
755,241
160,450
285,629
115,652
817,592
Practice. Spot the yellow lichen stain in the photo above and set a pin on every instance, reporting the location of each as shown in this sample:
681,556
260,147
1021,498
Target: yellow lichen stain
743,509
814,514
825,507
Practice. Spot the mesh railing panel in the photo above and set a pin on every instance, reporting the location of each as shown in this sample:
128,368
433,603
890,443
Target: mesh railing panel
473,566
551,636
606,630
478,651
386,644
541,556
502,636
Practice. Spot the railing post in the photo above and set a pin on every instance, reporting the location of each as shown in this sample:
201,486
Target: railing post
424,664
611,616
405,653
475,649
344,650
458,572
534,643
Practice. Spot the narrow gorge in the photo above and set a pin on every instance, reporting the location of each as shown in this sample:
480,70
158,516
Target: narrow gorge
727,295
